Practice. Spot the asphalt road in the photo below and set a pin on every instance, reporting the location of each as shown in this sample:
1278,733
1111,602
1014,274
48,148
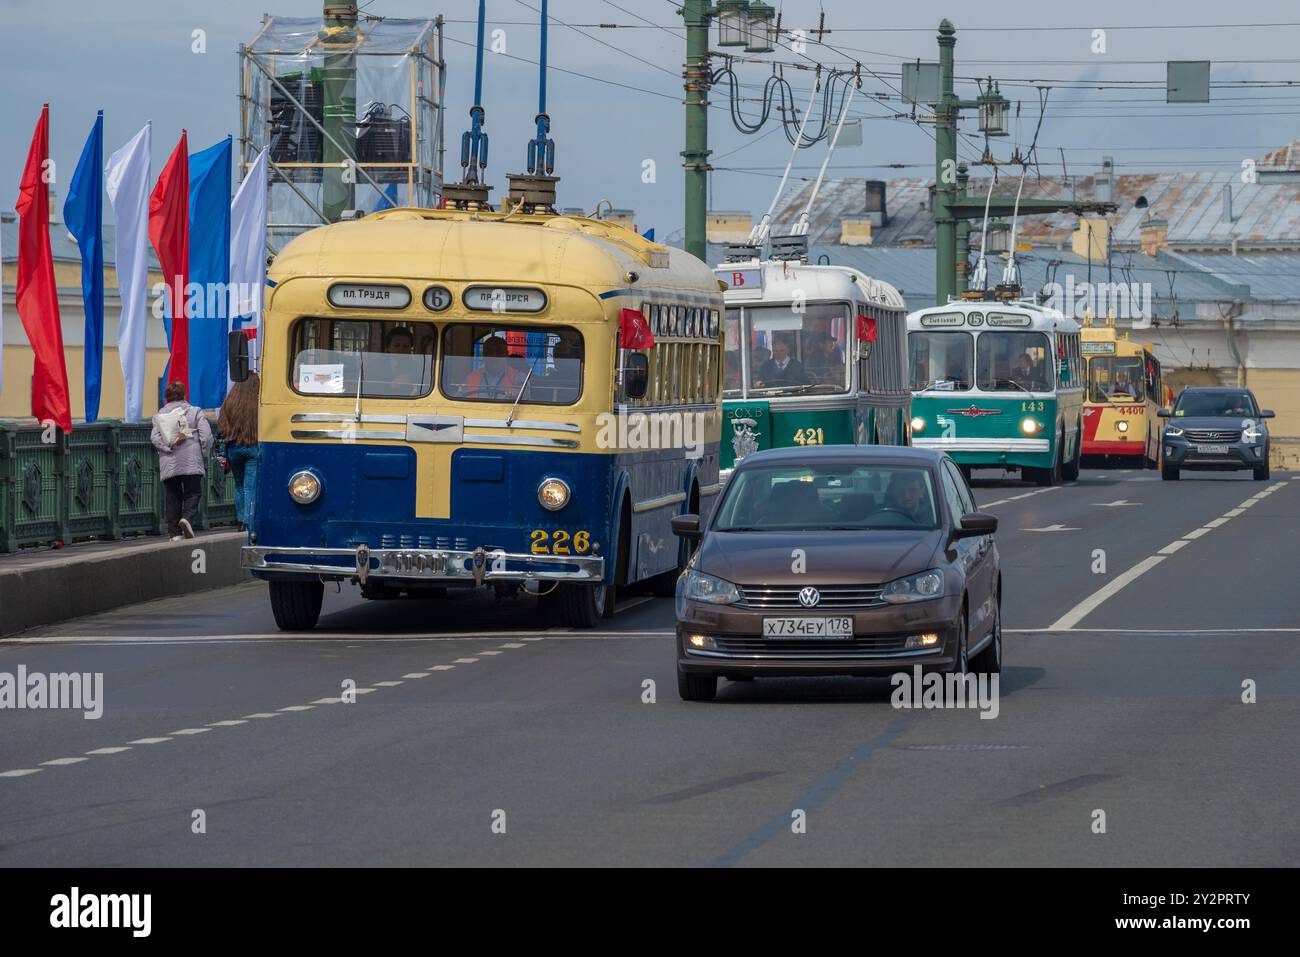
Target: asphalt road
1120,695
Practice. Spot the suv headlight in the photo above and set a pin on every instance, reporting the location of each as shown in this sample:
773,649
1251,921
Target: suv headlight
1172,432
1252,434
920,587
707,588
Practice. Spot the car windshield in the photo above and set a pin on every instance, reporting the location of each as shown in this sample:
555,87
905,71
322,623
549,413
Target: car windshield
1119,377
828,497
1210,404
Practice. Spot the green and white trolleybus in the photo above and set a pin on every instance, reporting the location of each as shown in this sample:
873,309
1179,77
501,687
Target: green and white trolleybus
815,355
998,384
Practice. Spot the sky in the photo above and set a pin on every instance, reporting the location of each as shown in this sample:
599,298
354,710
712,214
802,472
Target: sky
135,61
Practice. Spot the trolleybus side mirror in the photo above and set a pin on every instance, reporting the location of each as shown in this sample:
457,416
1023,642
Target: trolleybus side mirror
1163,413
636,375
687,526
237,355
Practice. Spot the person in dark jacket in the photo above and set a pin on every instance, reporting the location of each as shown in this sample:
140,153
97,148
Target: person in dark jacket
183,438
780,370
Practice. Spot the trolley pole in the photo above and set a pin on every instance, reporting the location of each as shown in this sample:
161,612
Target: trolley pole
695,158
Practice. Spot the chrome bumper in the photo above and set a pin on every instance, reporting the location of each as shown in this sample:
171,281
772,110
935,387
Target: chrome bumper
424,564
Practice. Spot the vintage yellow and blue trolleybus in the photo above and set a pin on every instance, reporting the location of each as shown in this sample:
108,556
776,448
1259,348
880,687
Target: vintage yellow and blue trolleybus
998,384
815,355
449,399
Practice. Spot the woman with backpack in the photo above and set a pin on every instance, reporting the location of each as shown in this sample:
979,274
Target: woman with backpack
183,438
238,426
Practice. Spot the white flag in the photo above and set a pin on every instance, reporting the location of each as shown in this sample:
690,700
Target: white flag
126,178
248,248
2,317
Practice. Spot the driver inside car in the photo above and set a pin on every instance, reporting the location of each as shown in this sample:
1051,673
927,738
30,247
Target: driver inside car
906,494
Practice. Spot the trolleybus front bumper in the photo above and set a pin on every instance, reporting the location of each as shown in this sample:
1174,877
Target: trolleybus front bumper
441,566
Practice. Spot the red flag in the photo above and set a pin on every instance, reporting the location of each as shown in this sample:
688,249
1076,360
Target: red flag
866,328
169,231
634,331
37,296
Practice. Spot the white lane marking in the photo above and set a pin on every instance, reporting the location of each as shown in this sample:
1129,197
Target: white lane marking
1016,498
108,750
328,701
1115,504
1173,547
279,637
228,723
1111,588
466,661
263,714
387,684
1197,533
416,674
192,731
149,740
441,667
1234,513
365,690
1051,528
491,652
1247,504
19,772
298,707
513,644
58,762
1152,631
1216,522
632,603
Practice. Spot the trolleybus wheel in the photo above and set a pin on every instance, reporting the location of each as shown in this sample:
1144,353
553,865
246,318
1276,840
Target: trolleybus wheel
1051,476
296,605
1070,471
580,605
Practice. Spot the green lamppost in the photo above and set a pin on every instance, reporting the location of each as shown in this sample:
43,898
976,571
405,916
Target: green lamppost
951,204
740,24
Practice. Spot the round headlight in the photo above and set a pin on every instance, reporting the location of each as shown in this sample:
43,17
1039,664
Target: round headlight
304,487
1122,426
553,494
1029,426
918,424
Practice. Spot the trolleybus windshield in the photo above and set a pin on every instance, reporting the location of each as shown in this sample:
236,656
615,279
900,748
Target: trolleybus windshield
1116,376
1013,362
391,360
940,360
798,350
488,362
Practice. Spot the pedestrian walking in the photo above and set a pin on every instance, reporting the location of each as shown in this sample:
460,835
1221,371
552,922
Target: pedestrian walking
238,426
183,438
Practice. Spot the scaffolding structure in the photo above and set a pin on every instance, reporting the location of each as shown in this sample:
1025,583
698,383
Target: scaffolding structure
351,112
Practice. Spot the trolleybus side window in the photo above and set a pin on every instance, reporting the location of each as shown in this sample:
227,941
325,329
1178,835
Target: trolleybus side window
331,355
490,363
940,360
731,354
1014,362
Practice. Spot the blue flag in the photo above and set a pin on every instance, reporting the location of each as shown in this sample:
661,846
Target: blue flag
209,272
84,214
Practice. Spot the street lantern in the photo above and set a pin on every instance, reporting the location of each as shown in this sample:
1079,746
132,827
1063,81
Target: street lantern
733,23
760,28
993,108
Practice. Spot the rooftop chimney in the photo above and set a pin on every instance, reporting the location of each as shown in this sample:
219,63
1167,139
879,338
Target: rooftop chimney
1155,236
1228,217
875,207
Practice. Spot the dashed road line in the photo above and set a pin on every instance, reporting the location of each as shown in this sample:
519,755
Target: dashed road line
388,684
1173,547
416,674
1016,498
19,772
298,707
59,762
228,723
192,731
108,750
149,741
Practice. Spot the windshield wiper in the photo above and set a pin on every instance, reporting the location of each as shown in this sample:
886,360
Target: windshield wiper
1014,383
511,417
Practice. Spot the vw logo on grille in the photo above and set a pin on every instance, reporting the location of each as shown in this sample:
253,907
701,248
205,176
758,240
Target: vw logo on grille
809,596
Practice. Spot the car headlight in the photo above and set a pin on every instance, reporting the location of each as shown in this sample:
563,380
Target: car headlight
304,487
920,587
1172,433
706,588
553,494
1252,435
918,424
1030,426
1122,426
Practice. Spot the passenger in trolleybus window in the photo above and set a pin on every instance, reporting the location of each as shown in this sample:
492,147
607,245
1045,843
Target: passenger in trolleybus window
496,378
823,355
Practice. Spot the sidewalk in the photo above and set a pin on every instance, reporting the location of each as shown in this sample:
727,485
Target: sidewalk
44,586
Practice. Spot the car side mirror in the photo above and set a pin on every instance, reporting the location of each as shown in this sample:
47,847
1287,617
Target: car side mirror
636,375
1163,414
687,526
976,525
1267,414
237,355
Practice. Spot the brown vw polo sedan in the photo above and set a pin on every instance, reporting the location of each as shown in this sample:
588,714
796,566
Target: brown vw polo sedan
838,560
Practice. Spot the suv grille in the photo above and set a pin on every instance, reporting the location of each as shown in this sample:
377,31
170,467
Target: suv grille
1213,435
787,598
